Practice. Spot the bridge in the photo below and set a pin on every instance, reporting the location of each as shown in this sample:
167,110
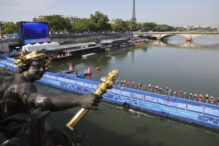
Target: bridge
188,35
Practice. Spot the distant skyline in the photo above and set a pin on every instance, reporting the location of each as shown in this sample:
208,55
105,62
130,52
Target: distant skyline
171,12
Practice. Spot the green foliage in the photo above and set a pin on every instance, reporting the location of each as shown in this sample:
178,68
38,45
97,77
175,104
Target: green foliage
163,27
203,29
148,26
56,23
9,28
120,25
82,25
96,23
99,22
180,29
133,26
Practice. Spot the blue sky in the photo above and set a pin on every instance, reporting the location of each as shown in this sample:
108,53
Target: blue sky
171,12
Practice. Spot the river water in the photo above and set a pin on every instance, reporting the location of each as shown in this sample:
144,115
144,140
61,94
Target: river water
191,67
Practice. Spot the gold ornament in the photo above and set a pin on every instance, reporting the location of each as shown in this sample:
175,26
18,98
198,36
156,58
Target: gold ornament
31,55
106,83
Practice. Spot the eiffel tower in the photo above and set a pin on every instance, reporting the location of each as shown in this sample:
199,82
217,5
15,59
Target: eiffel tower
133,12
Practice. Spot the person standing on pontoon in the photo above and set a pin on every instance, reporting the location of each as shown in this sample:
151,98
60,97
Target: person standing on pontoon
206,98
190,96
174,93
184,95
180,93
149,87
156,89
167,89
200,97
212,99
159,90
168,94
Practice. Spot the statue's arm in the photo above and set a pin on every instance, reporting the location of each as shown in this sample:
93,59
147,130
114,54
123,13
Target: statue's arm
56,102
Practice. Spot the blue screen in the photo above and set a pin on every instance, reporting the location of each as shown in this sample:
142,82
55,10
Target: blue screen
35,32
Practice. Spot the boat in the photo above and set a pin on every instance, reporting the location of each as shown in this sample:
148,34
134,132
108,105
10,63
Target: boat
56,51
200,113
110,44
89,55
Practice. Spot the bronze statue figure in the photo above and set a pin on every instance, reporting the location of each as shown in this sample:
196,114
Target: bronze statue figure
23,110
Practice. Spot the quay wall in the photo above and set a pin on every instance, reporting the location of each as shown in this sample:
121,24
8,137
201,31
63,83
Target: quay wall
200,113
86,38
6,44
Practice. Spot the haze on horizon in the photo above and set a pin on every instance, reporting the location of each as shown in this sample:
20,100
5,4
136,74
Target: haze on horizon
171,12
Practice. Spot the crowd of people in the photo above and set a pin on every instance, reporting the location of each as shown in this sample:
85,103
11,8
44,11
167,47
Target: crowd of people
168,91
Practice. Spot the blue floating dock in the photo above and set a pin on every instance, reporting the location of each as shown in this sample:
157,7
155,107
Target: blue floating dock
187,110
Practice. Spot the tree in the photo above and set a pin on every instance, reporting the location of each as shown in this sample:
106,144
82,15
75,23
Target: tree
56,23
82,25
120,25
148,26
9,28
180,29
163,27
99,22
133,26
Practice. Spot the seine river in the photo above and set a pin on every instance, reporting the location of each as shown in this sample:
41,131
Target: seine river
191,67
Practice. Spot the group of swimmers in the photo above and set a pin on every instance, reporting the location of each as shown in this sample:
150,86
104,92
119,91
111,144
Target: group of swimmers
151,88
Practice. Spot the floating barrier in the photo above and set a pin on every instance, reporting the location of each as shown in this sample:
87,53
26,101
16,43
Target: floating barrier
11,53
71,68
187,110
88,71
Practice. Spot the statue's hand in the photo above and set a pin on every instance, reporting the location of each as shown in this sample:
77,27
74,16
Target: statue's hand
89,101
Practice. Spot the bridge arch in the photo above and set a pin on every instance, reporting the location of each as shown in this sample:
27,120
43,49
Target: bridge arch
189,36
